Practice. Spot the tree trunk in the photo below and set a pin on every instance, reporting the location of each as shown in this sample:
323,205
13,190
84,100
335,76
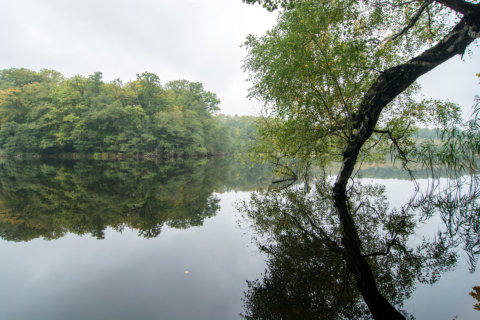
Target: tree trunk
389,85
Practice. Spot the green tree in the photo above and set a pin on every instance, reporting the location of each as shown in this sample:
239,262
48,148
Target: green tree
149,90
42,112
241,131
337,79
17,78
475,293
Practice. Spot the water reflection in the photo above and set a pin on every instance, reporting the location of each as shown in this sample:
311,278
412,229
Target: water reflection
475,293
127,276
307,275
51,198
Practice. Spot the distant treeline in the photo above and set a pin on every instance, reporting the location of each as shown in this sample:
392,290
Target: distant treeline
46,113
427,134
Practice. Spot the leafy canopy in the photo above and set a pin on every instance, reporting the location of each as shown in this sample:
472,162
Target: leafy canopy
337,79
43,112
314,67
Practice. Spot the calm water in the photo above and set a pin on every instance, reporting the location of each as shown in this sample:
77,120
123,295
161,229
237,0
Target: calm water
139,240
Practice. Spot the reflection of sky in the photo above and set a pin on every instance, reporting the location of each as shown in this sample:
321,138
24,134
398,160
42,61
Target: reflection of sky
449,296
128,277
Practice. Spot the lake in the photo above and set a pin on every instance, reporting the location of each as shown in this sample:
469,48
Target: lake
84,239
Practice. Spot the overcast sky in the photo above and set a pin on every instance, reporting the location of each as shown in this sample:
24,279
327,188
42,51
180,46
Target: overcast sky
197,40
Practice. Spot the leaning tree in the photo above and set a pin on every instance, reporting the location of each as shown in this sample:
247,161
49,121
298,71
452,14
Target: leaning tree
338,82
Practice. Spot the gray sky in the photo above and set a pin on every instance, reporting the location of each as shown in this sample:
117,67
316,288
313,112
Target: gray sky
182,39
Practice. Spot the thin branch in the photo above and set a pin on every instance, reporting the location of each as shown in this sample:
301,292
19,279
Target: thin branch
412,21
392,241
330,113
380,253
402,153
373,144
330,243
357,208
429,22
325,104
340,295
335,80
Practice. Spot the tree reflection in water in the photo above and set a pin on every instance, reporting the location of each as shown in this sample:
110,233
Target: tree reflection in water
51,198
307,275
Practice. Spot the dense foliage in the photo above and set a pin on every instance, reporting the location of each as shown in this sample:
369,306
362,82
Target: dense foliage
338,82
314,67
44,112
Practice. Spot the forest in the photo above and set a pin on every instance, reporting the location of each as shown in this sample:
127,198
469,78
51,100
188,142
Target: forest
45,113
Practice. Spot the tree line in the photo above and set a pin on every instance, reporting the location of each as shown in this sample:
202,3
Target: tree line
46,113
